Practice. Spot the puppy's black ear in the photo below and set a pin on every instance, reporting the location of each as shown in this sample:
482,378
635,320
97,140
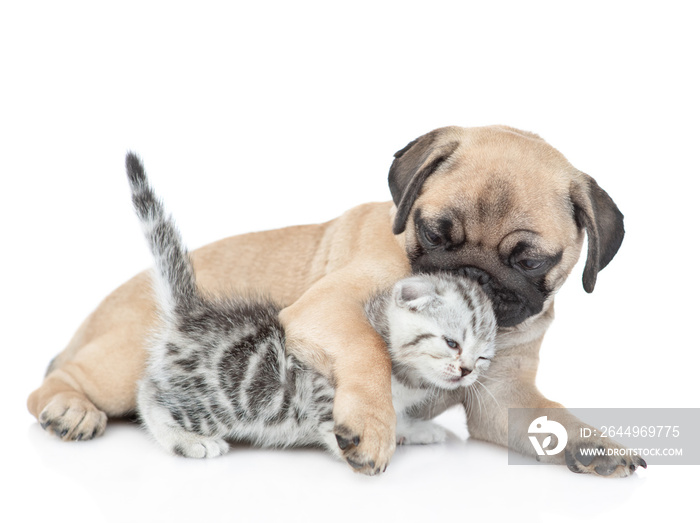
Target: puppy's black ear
411,167
595,211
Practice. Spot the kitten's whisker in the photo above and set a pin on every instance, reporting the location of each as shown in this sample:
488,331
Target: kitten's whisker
436,392
482,400
471,401
493,379
477,395
467,402
487,390
430,401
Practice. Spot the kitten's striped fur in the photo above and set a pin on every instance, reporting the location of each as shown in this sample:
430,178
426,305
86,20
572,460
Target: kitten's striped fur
218,369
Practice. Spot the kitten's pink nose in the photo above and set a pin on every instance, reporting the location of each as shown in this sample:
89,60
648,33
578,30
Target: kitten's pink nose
465,371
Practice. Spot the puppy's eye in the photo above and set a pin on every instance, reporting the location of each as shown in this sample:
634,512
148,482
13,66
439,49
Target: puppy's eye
431,238
530,265
452,344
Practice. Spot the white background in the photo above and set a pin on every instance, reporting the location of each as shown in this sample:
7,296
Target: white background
256,115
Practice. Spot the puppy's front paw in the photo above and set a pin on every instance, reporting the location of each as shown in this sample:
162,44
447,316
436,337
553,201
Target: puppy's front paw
419,432
366,439
73,418
365,453
601,457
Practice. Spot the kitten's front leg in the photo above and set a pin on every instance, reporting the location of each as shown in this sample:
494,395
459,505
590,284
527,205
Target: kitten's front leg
191,445
410,431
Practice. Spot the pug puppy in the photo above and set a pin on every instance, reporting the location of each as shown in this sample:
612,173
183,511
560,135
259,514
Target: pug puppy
494,204
502,207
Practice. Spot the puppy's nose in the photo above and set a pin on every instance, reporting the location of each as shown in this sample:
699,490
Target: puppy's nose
465,371
476,274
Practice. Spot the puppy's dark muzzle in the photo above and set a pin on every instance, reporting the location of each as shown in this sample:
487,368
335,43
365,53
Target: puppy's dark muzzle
510,308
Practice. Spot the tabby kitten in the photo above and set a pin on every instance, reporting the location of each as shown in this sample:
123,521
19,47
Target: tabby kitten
218,369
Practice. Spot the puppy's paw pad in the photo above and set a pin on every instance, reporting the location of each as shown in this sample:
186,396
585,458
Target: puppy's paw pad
346,438
363,453
73,418
595,459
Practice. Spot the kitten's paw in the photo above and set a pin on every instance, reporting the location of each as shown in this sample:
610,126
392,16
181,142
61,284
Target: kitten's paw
419,432
72,417
366,437
604,458
195,446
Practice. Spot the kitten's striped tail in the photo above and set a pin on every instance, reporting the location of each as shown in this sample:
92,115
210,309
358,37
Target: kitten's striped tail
174,275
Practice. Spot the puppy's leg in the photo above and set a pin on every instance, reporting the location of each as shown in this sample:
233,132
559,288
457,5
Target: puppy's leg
510,383
590,455
76,397
96,375
327,328
62,408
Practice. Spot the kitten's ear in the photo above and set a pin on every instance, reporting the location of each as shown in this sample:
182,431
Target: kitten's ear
414,293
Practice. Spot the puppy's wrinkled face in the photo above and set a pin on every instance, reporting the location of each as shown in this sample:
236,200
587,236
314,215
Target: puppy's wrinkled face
517,266
497,207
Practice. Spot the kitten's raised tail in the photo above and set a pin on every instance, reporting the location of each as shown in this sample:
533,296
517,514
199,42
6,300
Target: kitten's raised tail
174,275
